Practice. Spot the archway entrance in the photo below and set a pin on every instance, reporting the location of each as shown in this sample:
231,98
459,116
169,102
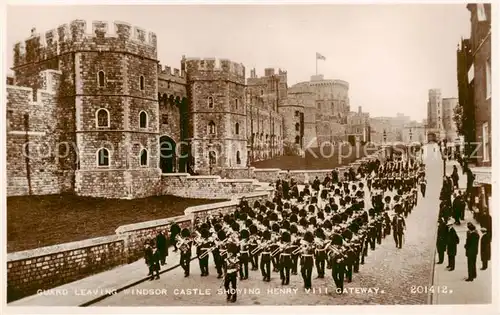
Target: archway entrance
167,155
431,137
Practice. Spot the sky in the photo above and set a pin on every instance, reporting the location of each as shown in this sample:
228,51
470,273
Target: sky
390,54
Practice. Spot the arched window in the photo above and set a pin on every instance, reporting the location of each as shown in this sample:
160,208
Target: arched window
211,128
102,118
210,102
297,139
100,78
144,157
237,128
141,83
212,158
143,120
236,103
297,127
103,157
238,158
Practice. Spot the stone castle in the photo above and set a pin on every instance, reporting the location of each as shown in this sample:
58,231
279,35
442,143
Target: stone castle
94,113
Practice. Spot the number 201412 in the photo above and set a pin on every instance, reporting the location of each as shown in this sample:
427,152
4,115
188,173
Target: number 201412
428,289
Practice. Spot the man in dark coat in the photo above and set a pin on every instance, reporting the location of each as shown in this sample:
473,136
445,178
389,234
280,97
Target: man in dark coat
398,226
458,206
441,239
455,177
286,189
485,248
452,241
174,231
471,250
161,245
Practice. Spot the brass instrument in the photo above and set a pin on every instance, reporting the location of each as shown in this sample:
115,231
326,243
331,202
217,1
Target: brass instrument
208,251
261,246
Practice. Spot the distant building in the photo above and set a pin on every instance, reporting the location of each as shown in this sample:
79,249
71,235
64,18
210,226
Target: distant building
358,127
449,125
414,132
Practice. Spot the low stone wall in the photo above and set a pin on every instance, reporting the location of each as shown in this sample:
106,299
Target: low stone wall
135,235
48,267
204,186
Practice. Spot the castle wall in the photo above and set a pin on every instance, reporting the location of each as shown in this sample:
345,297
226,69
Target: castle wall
35,156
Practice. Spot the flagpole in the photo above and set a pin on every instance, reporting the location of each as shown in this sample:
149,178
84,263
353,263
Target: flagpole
316,65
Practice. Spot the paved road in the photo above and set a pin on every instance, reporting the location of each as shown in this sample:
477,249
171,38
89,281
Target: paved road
394,273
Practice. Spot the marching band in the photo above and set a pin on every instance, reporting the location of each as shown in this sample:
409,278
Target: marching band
325,225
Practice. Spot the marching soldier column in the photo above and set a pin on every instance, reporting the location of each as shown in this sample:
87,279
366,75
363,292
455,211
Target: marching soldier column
325,226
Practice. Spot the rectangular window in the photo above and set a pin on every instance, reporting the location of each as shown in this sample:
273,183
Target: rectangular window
164,119
486,143
488,79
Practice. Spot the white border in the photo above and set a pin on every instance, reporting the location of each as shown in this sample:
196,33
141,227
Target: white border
386,310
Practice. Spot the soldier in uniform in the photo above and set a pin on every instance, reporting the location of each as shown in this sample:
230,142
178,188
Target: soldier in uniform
350,254
244,253
274,246
265,259
203,247
307,260
285,257
398,226
184,244
174,231
338,261
295,240
231,263
253,243
221,251
320,252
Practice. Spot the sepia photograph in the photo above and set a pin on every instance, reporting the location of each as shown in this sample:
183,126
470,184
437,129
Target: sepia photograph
221,155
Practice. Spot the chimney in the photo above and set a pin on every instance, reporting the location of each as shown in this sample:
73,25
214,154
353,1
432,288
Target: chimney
359,109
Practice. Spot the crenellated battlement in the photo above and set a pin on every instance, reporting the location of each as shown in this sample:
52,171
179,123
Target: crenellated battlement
80,35
214,65
167,71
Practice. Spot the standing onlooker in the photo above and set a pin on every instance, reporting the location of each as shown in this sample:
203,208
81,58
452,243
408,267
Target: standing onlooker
161,245
471,249
441,239
455,177
452,241
485,247
470,183
458,207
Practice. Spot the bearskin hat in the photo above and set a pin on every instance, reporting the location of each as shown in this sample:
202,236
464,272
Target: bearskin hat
301,198
336,219
314,199
308,237
327,209
243,216
185,232
313,220
303,221
398,208
232,248
235,227
302,213
337,191
321,215
263,209
260,218
361,185
248,222
387,199
286,205
294,229
347,199
217,226
337,239
265,222
266,235
354,227
294,218
335,207
324,194
276,227
205,233
244,234
311,208
347,234
285,224
221,235
295,209
256,204
286,237
273,216
400,191
354,187
319,233
204,226
327,225
175,228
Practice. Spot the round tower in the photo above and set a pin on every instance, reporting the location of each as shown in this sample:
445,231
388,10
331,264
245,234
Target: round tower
216,94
